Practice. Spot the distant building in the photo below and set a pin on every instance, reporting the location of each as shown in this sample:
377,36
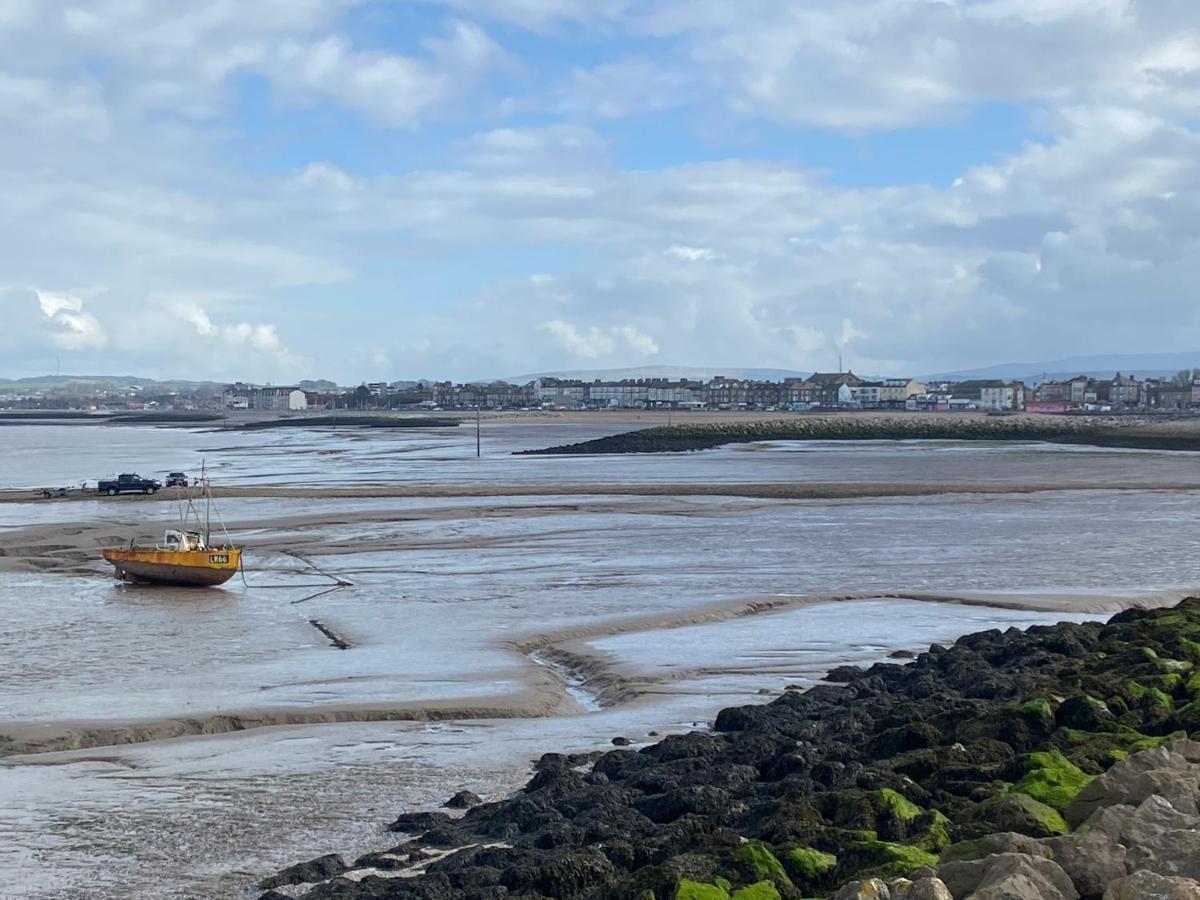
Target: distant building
249,396
894,392
1077,390
1051,392
990,393
1175,396
1124,392
866,394
829,387
559,392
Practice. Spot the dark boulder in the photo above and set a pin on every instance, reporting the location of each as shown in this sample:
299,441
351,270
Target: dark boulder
463,800
419,823
318,869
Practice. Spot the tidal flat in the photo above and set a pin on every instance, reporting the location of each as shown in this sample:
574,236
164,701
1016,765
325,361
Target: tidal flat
173,744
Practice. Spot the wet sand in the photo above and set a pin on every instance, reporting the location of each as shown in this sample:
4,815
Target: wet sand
493,618
800,491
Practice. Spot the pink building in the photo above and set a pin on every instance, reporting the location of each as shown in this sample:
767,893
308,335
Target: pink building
1045,406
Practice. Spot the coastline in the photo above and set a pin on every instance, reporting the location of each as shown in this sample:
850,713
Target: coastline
557,669
875,775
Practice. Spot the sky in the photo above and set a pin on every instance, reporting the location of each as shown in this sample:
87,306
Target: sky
383,190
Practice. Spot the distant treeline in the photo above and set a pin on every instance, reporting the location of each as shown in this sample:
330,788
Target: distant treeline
672,439
348,421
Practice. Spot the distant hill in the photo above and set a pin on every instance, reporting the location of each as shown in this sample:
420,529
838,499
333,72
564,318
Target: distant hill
671,372
1140,365
39,383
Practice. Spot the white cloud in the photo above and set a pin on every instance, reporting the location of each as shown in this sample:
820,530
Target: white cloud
543,148
638,341
73,327
849,333
135,174
541,14
589,344
693,254
626,86
596,342
194,314
394,89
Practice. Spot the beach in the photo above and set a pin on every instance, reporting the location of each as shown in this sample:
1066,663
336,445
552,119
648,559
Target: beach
496,608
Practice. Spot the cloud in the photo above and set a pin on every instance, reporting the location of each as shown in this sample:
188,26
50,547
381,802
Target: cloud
393,89
693,254
595,342
624,87
540,148
638,341
849,333
591,344
257,186
74,328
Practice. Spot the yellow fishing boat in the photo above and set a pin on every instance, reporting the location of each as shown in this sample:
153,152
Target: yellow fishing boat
184,558
187,557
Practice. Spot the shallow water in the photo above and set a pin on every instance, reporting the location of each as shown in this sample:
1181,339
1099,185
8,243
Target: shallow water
39,456
445,589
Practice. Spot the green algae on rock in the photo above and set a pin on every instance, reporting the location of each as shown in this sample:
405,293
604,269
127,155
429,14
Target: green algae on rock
1052,779
809,865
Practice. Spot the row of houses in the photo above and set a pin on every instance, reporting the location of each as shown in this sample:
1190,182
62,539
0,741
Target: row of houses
1122,392
821,390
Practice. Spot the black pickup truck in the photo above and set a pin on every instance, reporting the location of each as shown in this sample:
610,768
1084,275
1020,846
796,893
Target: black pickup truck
127,484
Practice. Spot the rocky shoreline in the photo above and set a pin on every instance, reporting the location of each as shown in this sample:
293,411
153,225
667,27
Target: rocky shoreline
1052,762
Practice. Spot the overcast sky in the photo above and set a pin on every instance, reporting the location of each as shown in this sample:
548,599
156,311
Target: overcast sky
277,189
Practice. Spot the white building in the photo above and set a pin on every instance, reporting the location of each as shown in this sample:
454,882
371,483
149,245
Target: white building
250,396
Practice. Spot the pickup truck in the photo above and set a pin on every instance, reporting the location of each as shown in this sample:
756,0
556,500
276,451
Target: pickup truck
127,484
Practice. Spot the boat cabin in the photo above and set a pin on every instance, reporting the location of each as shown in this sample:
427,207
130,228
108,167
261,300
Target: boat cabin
181,541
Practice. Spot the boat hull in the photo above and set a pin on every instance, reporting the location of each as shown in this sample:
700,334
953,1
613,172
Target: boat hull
182,568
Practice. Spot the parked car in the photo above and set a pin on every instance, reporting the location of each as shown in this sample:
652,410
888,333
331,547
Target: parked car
127,483
177,479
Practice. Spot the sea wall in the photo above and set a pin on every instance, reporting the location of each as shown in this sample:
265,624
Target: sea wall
679,438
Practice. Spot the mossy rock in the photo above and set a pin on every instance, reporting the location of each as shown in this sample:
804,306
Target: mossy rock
1014,812
881,859
1190,648
695,890
762,890
1041,710
1084,713
761,864
1148,696
1052,779
936,828
1176,666
809,865
1188,717
897,804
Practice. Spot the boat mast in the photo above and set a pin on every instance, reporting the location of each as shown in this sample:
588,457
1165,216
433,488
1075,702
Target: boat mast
207,505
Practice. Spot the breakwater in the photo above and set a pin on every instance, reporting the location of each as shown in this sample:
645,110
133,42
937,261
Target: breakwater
882,772
680,438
